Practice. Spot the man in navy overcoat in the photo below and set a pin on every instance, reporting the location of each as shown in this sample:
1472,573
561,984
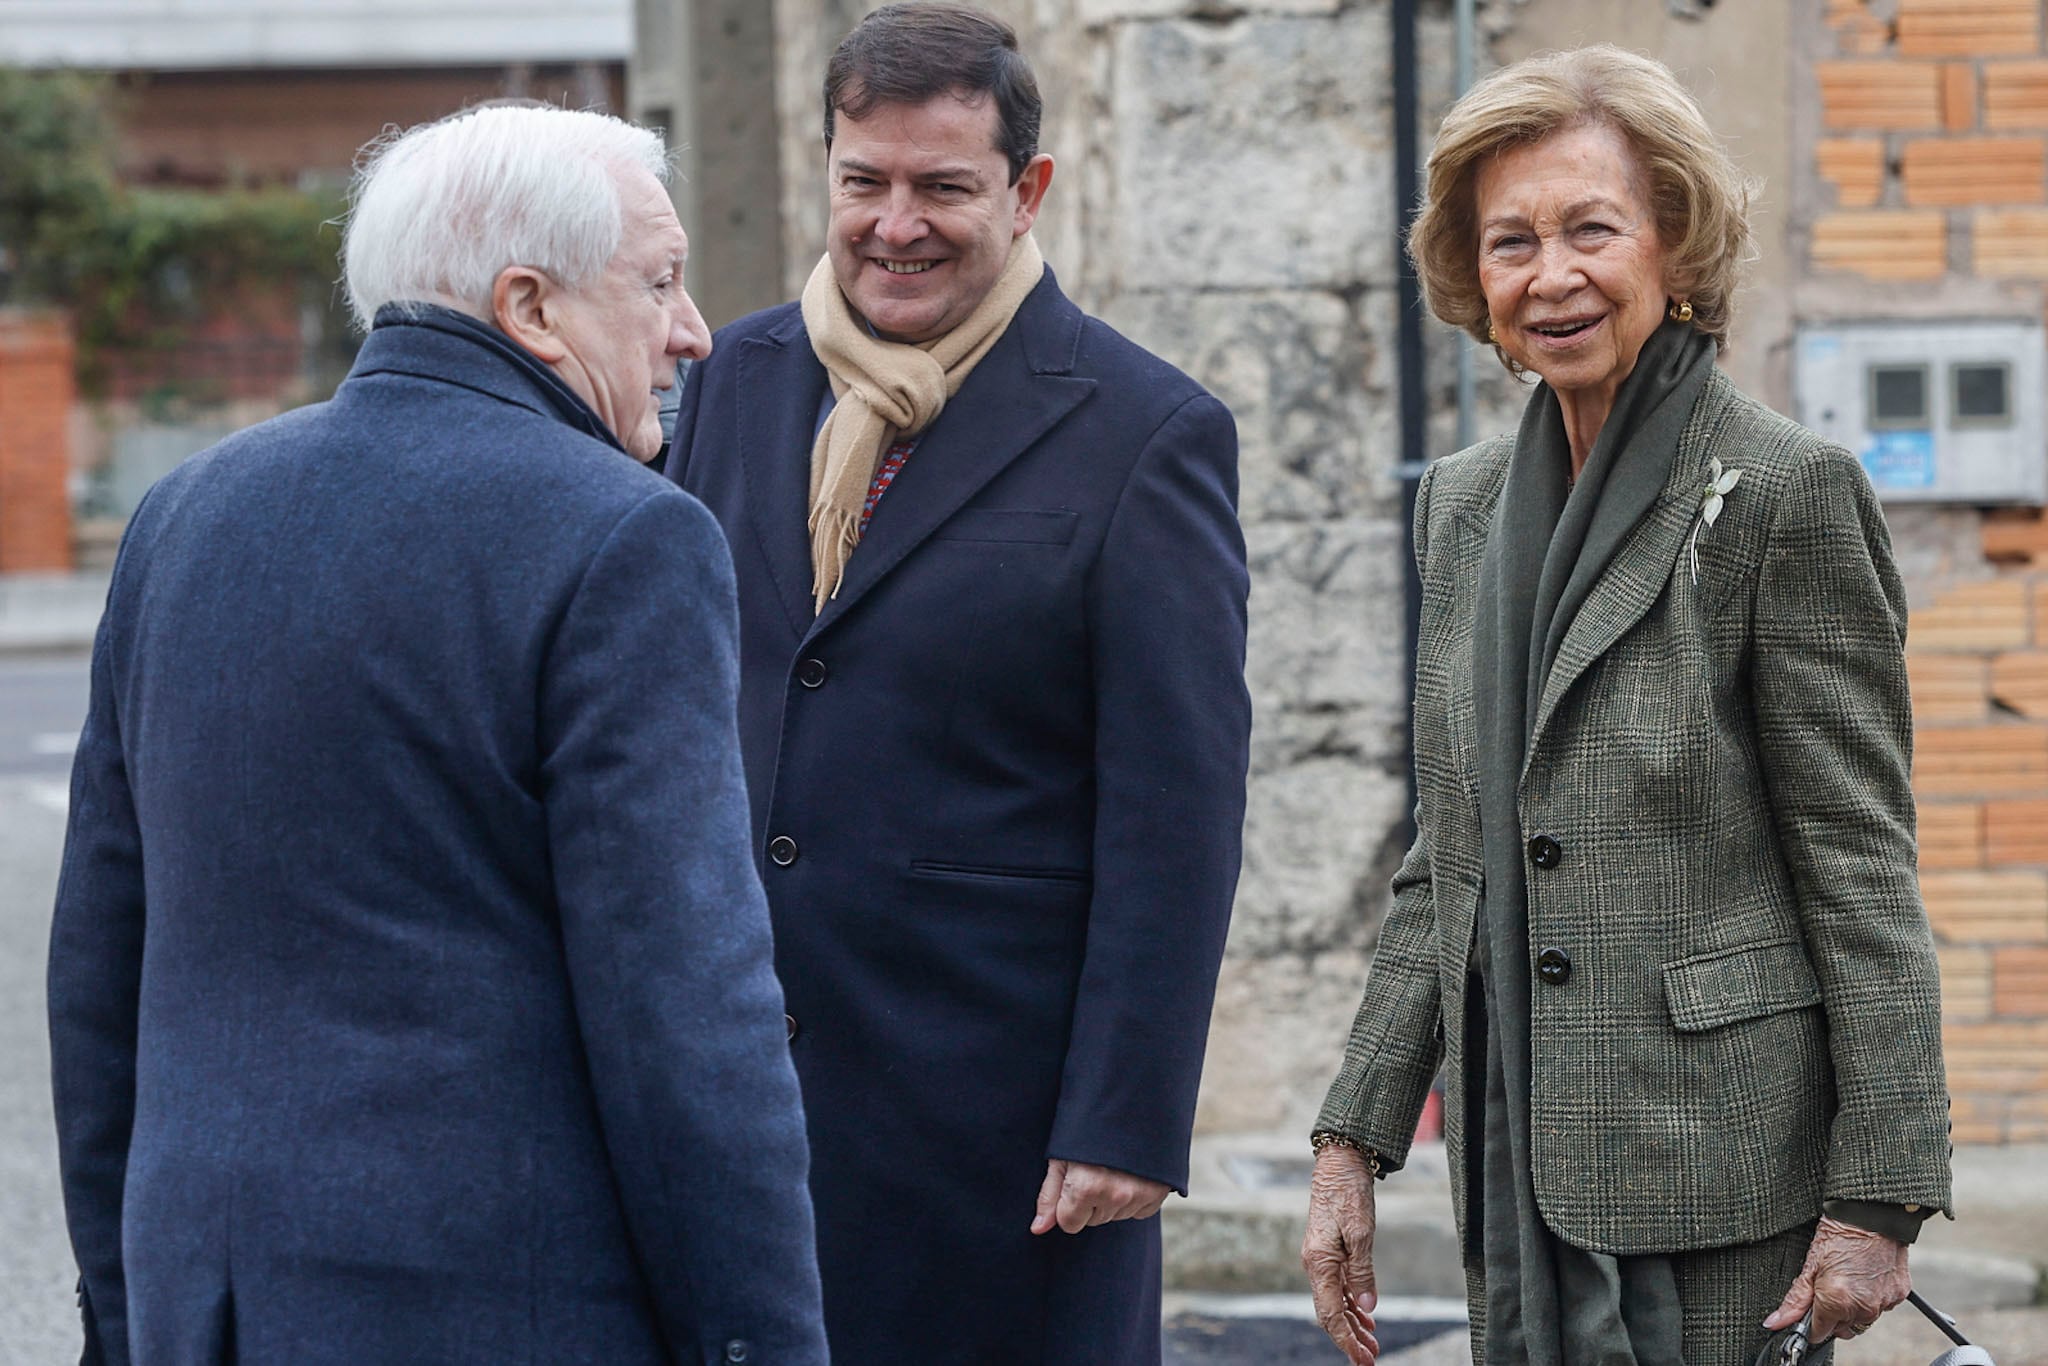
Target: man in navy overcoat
998,778
410,988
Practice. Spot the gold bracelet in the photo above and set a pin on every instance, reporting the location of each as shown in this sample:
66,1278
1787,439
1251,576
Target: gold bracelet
1330,1138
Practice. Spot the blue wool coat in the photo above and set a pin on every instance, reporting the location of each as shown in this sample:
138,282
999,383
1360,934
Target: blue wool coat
998,788
410,986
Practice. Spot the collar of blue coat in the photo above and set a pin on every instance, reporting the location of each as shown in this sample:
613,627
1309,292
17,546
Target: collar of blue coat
439,343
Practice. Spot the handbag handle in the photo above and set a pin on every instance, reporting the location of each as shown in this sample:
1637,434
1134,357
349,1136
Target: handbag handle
1940,1320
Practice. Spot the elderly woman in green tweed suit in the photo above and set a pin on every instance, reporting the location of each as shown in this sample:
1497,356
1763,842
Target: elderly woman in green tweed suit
1660,921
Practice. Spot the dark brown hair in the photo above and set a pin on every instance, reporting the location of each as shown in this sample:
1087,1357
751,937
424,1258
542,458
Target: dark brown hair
913,53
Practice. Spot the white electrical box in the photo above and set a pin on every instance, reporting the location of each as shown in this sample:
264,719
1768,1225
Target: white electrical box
1947,412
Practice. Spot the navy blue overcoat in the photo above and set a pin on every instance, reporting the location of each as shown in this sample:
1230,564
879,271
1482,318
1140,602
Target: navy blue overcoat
998,791
410,984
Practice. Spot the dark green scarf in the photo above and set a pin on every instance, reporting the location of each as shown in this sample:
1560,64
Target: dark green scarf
1549,543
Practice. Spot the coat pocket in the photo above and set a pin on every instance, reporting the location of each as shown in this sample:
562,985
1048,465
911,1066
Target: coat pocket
1709,990
974,872
1010,526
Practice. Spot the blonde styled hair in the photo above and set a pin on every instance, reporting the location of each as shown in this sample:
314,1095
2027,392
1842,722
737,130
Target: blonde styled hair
1698,196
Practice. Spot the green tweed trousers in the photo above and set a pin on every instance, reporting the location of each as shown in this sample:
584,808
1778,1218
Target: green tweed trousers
1725,1291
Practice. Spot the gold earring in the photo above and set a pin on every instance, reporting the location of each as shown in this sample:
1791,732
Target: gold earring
1489,332
1680,312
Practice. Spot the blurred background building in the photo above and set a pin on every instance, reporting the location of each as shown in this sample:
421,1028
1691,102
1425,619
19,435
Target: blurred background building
230,130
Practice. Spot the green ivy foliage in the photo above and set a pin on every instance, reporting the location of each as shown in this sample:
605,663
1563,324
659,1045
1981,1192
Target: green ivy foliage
56,178
136,266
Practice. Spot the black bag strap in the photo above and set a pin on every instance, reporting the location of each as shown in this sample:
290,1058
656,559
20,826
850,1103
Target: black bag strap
1940,1320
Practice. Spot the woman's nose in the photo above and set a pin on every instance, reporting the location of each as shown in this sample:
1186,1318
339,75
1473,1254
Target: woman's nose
1557,274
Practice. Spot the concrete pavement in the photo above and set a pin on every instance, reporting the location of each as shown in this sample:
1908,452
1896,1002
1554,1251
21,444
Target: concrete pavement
40,613
42,702
1240,1234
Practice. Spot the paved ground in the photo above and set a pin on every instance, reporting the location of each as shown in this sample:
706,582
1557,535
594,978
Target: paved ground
2015,1337
1243,1227
1194,1339
1241,1230
42,701
49,611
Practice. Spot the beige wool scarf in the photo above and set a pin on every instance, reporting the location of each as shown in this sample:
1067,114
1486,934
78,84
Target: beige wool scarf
886,390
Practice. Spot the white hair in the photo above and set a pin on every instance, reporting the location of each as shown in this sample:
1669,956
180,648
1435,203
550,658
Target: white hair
438,211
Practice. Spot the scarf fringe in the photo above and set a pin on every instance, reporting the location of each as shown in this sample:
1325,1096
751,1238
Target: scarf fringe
886,389
834,534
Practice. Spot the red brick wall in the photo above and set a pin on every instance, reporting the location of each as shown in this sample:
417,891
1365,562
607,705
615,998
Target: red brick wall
1934,149
1936,131
1978,656
210,127
35,460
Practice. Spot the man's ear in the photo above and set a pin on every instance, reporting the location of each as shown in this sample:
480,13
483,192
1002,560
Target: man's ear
523,306
1032,184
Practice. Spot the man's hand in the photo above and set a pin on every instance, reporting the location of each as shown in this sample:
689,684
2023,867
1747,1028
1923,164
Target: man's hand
1851,1276
1076,1195
1337,1253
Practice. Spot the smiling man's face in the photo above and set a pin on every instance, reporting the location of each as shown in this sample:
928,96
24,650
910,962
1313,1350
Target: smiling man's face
924,212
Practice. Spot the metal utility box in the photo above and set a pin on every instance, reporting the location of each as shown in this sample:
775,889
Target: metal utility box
1939,412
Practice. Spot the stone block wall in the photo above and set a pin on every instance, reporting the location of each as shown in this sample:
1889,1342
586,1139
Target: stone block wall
36,390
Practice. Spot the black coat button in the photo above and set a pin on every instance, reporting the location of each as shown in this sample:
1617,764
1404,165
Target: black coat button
811,673
1554,966
1545,852
737,1351
782,851
789,1023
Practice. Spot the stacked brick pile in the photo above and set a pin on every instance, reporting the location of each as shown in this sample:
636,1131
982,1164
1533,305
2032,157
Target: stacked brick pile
35,464
1936,140
1978,656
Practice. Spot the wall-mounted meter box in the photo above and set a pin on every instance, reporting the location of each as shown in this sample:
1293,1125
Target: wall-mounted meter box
1948,412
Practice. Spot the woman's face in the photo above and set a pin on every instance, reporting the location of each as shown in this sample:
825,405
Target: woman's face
1569,258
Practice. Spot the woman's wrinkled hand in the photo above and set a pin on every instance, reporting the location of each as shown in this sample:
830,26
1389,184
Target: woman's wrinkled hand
1851,1276
1337,1253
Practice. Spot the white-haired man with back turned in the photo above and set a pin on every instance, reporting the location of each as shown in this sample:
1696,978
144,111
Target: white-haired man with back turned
410,988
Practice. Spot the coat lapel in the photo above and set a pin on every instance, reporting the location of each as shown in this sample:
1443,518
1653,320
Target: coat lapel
1641,569
781,385
1019,391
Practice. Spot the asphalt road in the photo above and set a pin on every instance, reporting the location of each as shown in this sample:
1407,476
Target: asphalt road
1219,1340
42,702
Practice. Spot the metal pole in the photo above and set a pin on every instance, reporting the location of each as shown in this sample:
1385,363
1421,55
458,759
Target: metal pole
1413,395
1467,400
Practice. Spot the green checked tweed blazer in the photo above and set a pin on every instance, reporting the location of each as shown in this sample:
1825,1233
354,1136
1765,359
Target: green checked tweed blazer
1752,1021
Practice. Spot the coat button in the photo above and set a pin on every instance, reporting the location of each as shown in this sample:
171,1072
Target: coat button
737,1351
1545,852
782,851
811,673
789,1023
1554,966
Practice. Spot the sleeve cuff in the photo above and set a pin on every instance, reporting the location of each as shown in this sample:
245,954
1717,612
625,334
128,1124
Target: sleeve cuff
1896,1222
